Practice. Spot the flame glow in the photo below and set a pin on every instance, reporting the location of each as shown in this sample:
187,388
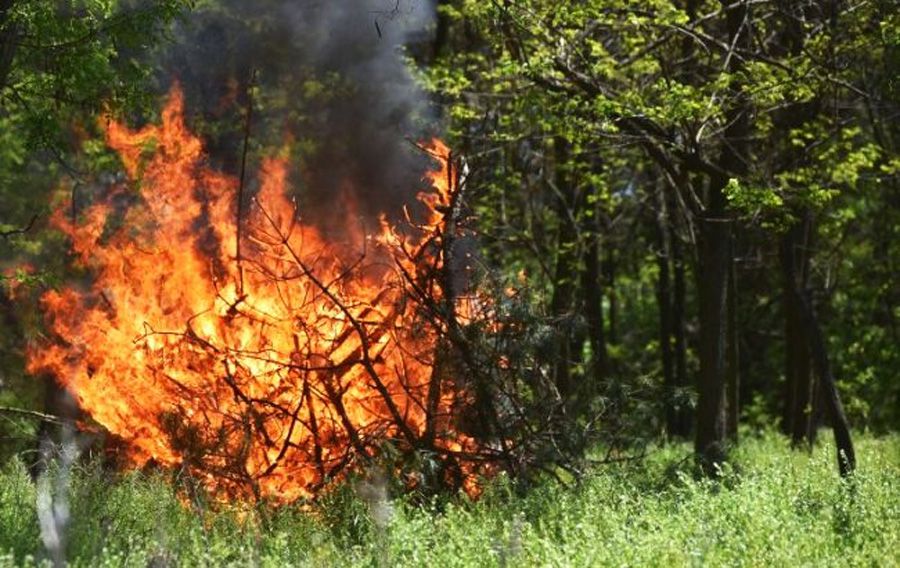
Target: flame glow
268,371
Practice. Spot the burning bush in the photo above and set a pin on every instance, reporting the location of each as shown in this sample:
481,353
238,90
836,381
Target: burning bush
245,346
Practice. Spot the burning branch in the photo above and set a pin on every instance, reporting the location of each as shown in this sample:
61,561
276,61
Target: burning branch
271,373
248,118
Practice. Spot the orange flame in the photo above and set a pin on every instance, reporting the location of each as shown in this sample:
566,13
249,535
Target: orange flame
268,374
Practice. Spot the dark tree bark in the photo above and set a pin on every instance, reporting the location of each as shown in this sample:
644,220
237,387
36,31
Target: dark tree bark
798,415
664,302
8,39
683,415
441,31
818,349
592,290
715,265
566,274
733,357
794,350
709,442
609,278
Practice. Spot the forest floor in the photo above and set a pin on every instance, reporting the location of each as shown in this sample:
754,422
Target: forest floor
773,507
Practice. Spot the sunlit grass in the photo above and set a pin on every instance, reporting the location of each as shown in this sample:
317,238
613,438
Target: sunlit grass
774,507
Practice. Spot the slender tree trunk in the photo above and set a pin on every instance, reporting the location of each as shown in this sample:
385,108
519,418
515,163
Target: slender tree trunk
734,377
566,274
798,414
793,343
592,289
819,350
683,414
8,39
664,302
441,32
609,277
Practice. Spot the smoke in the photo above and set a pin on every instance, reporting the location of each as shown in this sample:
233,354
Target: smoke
332,78
52,495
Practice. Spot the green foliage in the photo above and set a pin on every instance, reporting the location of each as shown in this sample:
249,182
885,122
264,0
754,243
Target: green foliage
644,93
774,507
69,61
75,56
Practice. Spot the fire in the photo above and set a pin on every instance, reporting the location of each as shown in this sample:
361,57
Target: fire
259,356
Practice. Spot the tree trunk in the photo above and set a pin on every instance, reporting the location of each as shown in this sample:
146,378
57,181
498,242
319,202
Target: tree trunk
819,350
683,415
733,362
709,442
799,384
441,32
566,275
9,35
609,277
715,265
592,289
664,302
799,401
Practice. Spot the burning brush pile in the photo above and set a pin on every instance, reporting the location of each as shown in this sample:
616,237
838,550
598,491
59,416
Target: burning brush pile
241,345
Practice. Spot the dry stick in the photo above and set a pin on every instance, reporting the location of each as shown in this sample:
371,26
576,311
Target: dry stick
240,199
294,419
246,442
333,395
367,362
446,243
337,401
32,414
314,429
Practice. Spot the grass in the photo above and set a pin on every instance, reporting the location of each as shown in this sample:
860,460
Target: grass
775,507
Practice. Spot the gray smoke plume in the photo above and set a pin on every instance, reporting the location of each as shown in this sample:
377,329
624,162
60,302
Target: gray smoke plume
331,74
52,489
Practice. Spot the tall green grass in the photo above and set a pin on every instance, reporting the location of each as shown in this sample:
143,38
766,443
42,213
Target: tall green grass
773,507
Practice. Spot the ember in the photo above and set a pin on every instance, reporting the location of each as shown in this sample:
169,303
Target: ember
268,367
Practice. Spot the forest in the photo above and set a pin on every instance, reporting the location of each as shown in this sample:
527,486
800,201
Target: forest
449,282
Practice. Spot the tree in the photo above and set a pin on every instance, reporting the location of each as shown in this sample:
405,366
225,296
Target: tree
702,99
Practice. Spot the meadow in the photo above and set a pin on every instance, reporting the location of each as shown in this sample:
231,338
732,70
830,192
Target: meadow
773,506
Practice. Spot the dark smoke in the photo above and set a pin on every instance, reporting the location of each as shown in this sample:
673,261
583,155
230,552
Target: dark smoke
331,75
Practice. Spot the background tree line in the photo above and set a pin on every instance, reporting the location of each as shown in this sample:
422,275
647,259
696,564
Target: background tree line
704,194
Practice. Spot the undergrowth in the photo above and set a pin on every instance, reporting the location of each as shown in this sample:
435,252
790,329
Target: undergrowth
774,506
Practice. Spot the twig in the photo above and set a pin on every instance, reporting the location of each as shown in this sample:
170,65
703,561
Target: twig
32,414
22,230
240,198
